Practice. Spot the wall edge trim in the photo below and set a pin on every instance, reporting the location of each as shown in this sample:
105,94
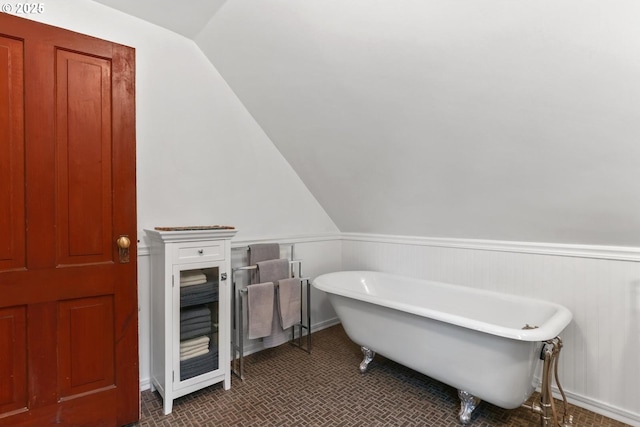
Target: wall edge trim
285,240
144,250
618,253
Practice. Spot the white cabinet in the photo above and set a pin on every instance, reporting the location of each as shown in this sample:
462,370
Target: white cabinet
190,310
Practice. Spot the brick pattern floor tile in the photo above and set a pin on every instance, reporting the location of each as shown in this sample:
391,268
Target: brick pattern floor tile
285,386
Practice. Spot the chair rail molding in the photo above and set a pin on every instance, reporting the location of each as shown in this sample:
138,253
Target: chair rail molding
618,253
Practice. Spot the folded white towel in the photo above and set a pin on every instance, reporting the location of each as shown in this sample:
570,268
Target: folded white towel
194,350
194,342
189,276
191,356
193,282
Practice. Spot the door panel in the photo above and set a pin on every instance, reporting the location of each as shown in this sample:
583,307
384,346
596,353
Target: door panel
68,311
85,333
12,223
83,147
13,372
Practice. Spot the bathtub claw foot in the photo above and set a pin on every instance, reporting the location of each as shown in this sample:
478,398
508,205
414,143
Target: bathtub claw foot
368,357
468,403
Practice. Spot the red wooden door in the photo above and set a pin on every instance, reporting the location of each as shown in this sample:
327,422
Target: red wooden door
68,305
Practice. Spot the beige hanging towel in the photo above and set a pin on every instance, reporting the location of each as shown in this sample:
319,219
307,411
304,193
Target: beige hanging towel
260,300
289,302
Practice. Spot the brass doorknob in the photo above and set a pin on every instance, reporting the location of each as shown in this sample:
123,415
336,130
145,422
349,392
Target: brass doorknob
123,242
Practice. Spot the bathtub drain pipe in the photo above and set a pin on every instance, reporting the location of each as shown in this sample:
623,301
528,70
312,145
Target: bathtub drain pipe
546,407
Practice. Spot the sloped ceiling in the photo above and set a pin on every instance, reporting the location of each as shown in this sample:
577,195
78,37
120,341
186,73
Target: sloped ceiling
183,17
488,119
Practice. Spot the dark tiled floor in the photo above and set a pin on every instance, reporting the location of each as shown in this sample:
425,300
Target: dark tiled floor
285,386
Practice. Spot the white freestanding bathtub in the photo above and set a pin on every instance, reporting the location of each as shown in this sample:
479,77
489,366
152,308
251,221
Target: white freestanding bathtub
485,344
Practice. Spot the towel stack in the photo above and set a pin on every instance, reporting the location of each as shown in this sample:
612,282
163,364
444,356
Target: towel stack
197,356
194,347
199,365
270,315
198,352
195,322
196,288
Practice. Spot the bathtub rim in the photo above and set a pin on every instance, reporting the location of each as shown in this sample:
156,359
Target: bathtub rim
550,329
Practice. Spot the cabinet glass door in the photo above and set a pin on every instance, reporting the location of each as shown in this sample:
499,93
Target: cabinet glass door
198,326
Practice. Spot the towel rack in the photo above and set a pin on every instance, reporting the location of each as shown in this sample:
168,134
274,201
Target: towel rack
299,331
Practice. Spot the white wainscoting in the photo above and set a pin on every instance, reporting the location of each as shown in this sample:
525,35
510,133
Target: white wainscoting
320,254
600,364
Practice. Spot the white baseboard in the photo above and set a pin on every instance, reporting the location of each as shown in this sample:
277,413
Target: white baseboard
257,346
592,405
145,384
601,408
324,324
